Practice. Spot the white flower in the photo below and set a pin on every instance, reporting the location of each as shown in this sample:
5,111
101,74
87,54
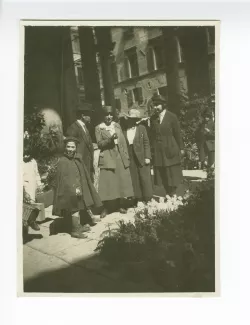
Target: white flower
161,200
26,135
140,205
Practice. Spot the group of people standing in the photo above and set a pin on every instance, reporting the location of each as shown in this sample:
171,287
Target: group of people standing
125,161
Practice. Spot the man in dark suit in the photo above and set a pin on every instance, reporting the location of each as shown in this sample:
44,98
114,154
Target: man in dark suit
79,130
167,146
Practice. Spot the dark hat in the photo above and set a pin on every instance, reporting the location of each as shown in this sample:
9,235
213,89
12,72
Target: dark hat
84,107
70,139
158,99
107,109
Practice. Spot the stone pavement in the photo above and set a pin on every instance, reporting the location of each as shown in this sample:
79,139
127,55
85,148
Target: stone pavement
59,263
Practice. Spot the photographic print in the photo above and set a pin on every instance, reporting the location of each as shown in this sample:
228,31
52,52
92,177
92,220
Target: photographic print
118,160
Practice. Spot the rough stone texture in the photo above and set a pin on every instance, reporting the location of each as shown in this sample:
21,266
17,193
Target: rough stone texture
149,82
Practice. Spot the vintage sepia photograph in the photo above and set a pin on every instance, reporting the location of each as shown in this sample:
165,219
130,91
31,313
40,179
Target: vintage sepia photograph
119,157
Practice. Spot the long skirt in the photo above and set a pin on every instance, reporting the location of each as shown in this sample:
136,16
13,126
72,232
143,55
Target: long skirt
141,177
169,177
115,183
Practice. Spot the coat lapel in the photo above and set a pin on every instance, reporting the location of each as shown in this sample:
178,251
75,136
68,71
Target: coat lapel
84,135
106,133
137,135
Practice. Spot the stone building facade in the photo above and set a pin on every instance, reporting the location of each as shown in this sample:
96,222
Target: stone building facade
164,60
117,66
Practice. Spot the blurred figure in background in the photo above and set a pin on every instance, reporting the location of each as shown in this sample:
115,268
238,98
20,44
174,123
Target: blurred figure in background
206,140
31,181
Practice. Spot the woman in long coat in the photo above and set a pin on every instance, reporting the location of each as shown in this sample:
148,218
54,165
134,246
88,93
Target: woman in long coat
115,180
74,191
167,146
140,157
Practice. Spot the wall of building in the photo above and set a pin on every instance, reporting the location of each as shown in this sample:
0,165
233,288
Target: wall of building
148,81
195,62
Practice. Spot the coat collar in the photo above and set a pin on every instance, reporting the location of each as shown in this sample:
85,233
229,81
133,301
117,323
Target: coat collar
84,134
105,130
103,126
76,157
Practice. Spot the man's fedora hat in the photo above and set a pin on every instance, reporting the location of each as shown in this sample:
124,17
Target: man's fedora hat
158,99
107,109
135,114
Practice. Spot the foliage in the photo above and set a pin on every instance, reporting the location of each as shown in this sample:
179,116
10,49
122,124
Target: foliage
40,145
176,246
191,118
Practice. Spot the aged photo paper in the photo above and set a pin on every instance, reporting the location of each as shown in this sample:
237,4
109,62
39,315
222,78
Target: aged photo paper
119,158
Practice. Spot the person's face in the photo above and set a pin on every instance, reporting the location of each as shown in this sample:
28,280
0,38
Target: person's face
86,118
108,118
158,108
70,149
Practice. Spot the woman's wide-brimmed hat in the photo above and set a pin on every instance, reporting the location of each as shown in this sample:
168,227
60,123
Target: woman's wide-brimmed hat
70,139
107,109
134,114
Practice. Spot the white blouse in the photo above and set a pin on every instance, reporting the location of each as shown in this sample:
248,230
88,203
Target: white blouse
110,128
131,134
162,114
31,178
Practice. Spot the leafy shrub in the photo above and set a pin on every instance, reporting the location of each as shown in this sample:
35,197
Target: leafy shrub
191,118
44,147
38,144
176,246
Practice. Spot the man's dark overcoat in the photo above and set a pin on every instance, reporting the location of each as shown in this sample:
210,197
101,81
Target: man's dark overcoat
166,141
85,147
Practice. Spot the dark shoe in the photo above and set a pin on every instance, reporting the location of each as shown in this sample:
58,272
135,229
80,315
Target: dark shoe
78,234
34,226
91,223
77,228
104,213
92,220
84,228
122,210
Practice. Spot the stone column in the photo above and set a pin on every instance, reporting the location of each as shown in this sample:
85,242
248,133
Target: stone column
172,68
49,71
68,80
196,55
105,47
42,67
90,70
